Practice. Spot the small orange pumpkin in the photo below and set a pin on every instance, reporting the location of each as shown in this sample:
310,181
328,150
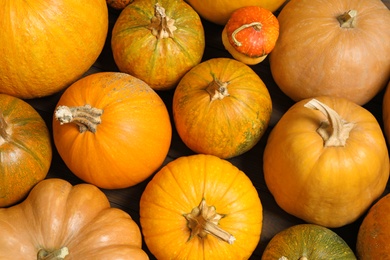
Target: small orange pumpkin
111,129
250,34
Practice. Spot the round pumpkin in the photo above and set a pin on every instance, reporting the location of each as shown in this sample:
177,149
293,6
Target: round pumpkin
386,112
326,161
61,221
200,207
374,232
219,11
221,107
307,241
47,45
111,129
250,34
332,47
25,148
158,42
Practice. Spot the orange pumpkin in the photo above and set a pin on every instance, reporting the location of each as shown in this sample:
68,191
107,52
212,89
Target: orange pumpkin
219,11
332,47
158,42
374,232
111,129
326,161
200,207
47,45
386,112
61,221
221,107
25,149
250,34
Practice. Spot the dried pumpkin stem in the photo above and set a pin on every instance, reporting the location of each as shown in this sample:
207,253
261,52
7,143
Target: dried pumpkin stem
217,89
86,117
53,255
347,19
161,25
4,135
335,131
203,220
256,25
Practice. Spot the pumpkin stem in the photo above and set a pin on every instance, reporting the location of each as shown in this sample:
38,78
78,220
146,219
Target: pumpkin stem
161,25
53,255
217,89
4,135
347,19
203,220
86,117
256,25
335,131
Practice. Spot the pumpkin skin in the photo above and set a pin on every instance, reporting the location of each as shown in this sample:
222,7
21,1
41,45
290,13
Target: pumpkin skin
115,153
178,188
25,148
221,107
250,34
315,56
386,113
75,219
374,234
158,54
47,45
307,241
320,179
219,11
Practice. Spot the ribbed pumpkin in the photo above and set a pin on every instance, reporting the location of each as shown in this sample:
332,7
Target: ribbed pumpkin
111,129
326,161
221,107
47,45
201,207
25,149
219,11
60,221
158,41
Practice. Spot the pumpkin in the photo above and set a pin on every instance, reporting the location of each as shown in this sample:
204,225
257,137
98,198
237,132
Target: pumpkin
200,207
61,221
386,112
374,234
158,42
250,34
332,47
307,241
47,45
326,161
118,4
25,148
111,130
219,11
221,107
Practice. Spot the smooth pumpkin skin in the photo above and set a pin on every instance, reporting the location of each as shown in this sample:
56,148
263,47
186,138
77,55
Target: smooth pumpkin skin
314,56
386,113
159,61
47,45
178,188
374,234
56,214
310,241
224,127
25,148
326,185
219,11
132,140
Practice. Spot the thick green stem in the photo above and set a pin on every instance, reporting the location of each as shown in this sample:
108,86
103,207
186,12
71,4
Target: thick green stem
58,254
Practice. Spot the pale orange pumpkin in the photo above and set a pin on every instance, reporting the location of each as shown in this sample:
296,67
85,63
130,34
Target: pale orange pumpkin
221,107
250,34
47,45
332,47
326,161
201,207
61,221
111,129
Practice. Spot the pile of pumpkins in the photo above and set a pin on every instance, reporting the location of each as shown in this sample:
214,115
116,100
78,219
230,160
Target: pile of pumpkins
326,160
